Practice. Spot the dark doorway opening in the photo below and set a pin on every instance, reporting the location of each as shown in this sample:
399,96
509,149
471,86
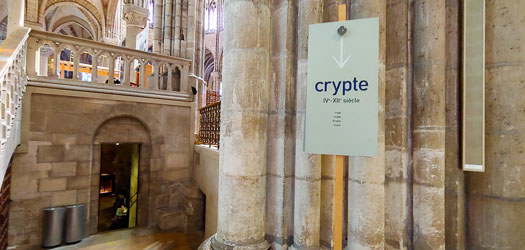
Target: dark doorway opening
119,185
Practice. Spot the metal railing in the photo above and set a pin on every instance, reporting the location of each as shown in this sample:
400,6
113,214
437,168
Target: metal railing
210,124
212,97
133,200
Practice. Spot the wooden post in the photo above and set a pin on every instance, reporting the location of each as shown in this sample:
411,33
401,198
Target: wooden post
339,159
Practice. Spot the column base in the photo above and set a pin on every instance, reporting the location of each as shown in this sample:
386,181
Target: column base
206,245
213,244
295,247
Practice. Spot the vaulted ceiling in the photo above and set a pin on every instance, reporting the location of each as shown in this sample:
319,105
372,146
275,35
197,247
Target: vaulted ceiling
93,18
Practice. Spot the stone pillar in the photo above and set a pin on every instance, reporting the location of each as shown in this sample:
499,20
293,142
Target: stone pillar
366,176
177,12
496,204
157,35
397,126
307,201
136,18
15,19
243,154
190,33
168,12
454,176
45,53
281,139
428,128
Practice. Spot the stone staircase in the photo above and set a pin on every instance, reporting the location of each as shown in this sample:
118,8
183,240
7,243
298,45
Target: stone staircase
13,80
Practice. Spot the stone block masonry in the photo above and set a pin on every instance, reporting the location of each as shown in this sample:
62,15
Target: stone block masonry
61,165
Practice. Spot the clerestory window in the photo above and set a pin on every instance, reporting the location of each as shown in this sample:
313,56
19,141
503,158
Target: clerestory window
210,16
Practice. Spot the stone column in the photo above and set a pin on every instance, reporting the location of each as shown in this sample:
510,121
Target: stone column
281,137
307,201
157,35
397,127
136,18
454,177
177,13
190,32
366,176
168,13
428,128
15,19
45,53
243,154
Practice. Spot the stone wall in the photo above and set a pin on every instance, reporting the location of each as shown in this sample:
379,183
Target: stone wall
59,162
206,175
426,200
495,199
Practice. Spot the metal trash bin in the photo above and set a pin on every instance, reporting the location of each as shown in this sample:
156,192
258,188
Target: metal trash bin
53,226
75,223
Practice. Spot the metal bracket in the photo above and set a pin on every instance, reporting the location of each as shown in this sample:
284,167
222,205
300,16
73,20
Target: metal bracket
342,30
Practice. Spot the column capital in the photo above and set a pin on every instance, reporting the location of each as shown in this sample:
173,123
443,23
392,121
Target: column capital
46,51
135,15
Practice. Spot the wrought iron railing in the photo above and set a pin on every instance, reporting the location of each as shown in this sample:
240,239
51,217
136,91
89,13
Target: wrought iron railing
212,97
210,124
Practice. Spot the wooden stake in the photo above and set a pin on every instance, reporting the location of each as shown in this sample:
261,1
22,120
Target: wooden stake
338,203
339,160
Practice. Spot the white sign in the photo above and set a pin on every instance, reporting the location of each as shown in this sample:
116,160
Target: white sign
342,88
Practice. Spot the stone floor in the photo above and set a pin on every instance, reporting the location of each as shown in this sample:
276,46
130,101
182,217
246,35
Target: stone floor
138,238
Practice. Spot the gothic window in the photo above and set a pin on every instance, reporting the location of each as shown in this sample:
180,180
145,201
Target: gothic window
151,7
210,17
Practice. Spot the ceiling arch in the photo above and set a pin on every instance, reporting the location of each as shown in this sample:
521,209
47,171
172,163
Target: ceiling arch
94,10
74,28
111,12
62,12
67,20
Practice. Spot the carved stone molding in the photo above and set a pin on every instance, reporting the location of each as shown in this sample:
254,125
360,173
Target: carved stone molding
135,15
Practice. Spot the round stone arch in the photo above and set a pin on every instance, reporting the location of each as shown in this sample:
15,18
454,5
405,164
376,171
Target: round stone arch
130,110
125,123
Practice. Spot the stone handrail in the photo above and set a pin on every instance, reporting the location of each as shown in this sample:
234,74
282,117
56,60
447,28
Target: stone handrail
165,70
13,81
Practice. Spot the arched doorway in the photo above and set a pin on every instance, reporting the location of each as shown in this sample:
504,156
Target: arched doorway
121,156
119,186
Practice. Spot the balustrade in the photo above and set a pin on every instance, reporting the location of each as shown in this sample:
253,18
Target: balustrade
13,80
210,124
65,60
